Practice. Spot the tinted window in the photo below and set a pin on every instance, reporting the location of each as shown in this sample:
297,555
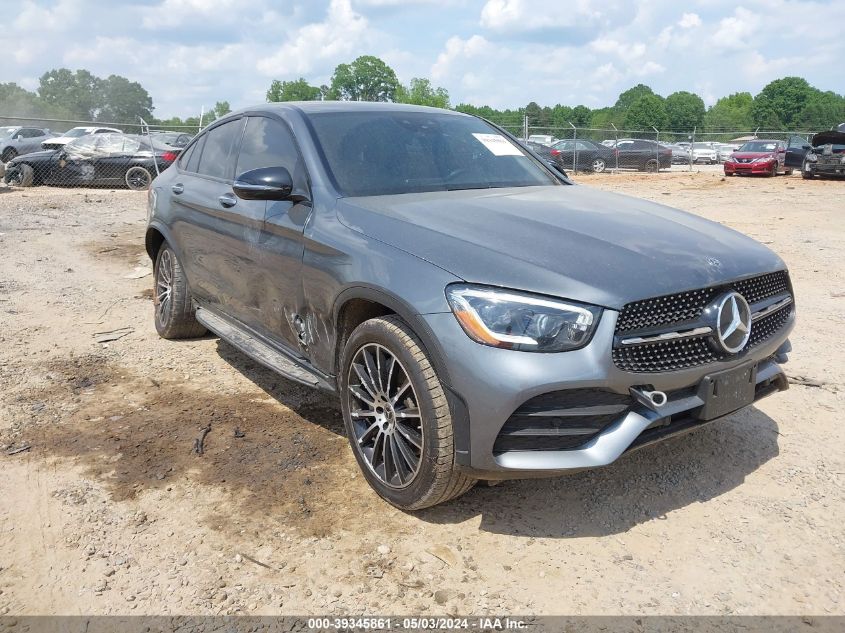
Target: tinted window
267,143
379,153
31,133
193,164
218,154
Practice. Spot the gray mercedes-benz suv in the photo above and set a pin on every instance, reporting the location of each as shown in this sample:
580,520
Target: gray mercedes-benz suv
477,315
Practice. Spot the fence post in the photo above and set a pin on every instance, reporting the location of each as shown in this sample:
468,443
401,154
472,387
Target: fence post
657,146
525,128
574,147
692,147
146,127
615,143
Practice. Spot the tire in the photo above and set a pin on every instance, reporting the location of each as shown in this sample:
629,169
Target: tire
651,165
9,154
138,178
806,175
174,314
21,175
425,473
598,166
774,171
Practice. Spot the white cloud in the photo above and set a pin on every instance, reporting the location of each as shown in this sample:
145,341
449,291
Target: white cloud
339,35
734,31
456,48
689,21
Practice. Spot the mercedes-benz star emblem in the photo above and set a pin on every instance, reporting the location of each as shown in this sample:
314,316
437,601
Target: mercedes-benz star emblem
732,321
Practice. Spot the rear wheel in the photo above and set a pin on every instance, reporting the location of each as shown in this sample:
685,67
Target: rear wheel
598,165
397,418
174,310
138,178
9,154
651,165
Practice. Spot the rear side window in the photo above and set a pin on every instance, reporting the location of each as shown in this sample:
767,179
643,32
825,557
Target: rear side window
267,143
218,158
193,164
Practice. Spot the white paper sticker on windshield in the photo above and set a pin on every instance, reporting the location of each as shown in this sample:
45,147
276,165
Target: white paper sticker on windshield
498,145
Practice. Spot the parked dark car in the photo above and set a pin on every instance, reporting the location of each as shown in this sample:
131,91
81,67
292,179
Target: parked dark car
173,139
16,140
763,157
827,155
643,154
477,315
94,160
584,155
544,151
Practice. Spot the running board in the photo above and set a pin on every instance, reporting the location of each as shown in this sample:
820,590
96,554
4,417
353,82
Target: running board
261,352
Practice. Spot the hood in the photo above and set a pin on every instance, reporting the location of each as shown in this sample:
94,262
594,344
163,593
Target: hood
44,153
753,154
565,241
830,137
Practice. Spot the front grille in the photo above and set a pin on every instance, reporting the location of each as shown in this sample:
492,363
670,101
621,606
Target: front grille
560,420
681,311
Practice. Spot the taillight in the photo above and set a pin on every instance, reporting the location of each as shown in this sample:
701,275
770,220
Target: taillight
555,152
169,156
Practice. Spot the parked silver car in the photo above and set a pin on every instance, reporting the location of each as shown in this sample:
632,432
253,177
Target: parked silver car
704,153
16,140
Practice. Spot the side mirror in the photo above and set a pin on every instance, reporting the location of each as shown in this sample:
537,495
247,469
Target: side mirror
266,183
19,137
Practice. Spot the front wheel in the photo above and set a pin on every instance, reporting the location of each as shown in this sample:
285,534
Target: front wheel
397,417
773,171
9,154
806,174
21,176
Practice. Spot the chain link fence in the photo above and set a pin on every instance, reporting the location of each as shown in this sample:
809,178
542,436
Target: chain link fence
39,151
591,149
67,153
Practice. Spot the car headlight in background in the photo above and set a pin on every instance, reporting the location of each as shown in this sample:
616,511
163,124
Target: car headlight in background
812,158
763,159
520,321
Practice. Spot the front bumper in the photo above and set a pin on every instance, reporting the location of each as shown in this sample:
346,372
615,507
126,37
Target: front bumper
748,168
825,169
492,384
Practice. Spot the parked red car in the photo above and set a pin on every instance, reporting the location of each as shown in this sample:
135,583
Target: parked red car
762,157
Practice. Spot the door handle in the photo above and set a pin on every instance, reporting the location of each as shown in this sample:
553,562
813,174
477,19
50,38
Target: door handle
227,200
177,188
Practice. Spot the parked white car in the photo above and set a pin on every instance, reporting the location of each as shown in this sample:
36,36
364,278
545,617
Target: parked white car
724,151
704,153
67,137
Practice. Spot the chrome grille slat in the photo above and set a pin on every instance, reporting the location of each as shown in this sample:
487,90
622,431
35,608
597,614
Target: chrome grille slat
665,333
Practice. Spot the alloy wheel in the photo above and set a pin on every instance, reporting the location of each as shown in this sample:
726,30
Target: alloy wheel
164,287
138,179
385,415
598,165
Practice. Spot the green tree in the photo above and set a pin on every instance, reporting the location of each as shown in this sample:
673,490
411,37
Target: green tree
647,111
421,92
684,110
822,111
731,113
581,116
299,90
782,98
627,98
221,108
123,101
366,79
79,92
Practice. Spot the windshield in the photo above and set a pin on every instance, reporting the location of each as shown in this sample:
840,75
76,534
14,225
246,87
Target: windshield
758,146
76,132
382,153
702,146
6,131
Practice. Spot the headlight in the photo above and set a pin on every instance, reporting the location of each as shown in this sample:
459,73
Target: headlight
812,158
521,321
763,159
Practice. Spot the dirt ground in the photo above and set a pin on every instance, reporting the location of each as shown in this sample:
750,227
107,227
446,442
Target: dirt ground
109,512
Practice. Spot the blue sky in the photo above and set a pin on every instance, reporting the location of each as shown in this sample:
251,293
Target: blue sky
503,53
